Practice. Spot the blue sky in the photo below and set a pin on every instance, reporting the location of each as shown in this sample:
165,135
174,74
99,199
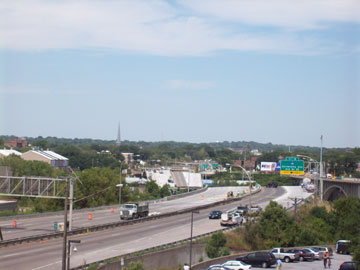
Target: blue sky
199,71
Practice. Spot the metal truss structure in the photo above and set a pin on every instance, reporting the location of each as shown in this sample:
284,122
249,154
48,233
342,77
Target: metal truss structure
33,186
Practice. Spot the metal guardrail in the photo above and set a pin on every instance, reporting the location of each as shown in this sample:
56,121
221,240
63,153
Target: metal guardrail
119,223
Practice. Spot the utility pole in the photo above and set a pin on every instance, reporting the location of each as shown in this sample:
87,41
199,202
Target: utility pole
296,201
321,171
71,202
63,266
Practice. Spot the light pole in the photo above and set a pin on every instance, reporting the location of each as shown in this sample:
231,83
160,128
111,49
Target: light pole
191,235
249,180
120,185
321,171
68,252
317,188
189,180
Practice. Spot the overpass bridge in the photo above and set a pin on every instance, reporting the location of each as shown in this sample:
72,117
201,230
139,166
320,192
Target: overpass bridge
332,189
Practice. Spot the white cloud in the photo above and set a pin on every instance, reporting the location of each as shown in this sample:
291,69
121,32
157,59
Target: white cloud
157,27
193,85
304,14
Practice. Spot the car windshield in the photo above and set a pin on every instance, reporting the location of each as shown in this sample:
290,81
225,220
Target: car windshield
128,206
314,249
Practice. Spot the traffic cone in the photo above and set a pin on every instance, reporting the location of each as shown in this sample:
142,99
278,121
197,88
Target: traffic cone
112,209
90,216
14,224
202,197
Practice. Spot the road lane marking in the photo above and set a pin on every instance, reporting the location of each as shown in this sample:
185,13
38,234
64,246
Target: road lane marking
46,265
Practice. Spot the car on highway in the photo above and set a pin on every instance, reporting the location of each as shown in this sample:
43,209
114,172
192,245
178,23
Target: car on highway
217,267
216,214
349,266
261,258
237,265
317,254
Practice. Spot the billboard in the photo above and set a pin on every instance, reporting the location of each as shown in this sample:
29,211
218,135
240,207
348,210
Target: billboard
268,166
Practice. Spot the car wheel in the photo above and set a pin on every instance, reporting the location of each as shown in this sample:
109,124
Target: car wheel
301,259
264,265
287,259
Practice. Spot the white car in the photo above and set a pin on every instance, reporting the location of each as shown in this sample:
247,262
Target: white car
237,265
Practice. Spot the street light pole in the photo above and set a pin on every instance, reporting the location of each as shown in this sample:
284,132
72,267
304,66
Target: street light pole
321,171
68,252
63,266
120,185
191,236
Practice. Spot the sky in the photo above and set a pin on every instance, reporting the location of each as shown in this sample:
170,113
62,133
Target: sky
278,71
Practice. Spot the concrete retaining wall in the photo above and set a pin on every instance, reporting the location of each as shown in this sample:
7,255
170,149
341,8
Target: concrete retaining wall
166,259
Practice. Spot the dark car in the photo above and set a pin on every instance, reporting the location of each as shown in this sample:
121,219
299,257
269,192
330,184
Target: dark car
272,185
216,214
304,255
263,259
348,266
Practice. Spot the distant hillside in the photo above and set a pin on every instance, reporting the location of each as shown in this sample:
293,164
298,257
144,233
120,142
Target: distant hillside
246,145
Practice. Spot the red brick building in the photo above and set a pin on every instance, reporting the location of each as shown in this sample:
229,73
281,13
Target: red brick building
247,164
16,142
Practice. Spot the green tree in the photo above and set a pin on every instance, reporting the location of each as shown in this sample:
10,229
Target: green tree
152,188
135,266
96,187
216,247
165,191
276,227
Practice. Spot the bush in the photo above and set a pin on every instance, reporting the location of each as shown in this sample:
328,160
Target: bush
216,247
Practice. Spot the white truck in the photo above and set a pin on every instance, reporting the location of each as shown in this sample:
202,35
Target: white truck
134,210
231,219
280,253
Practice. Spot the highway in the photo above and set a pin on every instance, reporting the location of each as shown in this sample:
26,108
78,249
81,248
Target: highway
114,242
42,224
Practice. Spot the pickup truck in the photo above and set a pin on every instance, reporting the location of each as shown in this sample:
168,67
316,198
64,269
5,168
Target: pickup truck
280,253
231,219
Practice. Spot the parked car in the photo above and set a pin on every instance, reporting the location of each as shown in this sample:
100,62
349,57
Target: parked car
217,267
216,214
308,255
318,255
343,246
261,258
237,265
285,256
326,249
348,266
303,255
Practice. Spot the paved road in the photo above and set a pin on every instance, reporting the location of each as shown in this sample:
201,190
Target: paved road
114,242
28,226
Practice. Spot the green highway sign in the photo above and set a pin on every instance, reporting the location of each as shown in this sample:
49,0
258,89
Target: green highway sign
292,166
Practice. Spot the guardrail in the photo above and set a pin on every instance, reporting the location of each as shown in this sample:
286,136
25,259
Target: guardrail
120,223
